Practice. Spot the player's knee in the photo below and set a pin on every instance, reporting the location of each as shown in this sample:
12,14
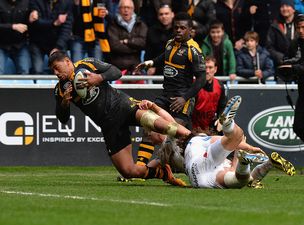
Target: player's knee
148,118
171,129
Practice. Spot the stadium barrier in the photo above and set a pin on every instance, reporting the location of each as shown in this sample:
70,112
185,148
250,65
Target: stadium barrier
30,134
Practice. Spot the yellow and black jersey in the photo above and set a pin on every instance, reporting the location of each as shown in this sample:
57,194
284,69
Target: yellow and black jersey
181,62
100,100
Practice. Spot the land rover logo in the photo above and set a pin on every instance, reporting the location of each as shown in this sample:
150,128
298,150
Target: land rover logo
272,128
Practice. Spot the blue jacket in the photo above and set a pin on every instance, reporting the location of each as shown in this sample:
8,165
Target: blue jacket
245,67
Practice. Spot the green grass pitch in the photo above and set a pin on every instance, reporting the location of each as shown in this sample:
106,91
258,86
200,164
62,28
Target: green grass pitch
92,196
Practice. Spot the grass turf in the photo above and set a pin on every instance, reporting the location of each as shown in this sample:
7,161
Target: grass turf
92,196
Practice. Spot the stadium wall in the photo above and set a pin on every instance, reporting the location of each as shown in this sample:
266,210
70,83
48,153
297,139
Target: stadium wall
30,134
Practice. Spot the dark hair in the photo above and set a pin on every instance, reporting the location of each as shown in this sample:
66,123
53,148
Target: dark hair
57,56
215,24
185,17
211,58
299,18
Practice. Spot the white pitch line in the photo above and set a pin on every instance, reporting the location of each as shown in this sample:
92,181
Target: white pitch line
85,198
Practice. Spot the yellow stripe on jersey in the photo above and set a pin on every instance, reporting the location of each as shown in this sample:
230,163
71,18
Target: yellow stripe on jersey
151,147
172,53
90,65
186,106
175,65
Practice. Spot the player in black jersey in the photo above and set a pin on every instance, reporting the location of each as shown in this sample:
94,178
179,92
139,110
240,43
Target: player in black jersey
182,60
114,111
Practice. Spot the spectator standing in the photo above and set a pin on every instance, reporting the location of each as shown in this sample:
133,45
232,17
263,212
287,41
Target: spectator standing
148,10
234,14
203,14
295,67
254,60
127,37
14,35
157,37
282,32
89,31
218,45
263,13
210,100
50,29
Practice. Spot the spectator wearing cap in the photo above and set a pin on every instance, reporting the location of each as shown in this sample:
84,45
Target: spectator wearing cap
282,32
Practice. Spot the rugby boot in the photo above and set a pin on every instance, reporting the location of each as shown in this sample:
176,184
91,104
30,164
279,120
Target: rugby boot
230,110
169,177
282,164
249,158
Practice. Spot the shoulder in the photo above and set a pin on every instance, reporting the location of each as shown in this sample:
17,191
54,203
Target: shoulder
194,47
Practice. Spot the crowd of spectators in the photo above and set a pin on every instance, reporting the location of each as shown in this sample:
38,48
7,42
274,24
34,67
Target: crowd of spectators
126,32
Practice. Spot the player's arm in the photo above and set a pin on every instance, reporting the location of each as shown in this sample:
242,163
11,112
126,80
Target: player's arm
199,71
63,104
104,72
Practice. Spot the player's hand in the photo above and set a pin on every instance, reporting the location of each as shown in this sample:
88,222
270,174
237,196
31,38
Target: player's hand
144,65
177,104
92,79
67,97
145,104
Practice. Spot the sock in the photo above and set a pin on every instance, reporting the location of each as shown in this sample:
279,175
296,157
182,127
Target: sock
156,172
228,128
260,171
144,154
242,168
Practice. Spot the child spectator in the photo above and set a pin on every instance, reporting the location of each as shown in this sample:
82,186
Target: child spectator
254,60
218,45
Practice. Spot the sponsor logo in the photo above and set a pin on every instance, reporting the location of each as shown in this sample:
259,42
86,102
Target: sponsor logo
170,71
24,129
92,95
16,128
272,128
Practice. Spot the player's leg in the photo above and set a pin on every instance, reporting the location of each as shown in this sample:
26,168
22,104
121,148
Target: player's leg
239,174
277,161
150,120
123,161
233,134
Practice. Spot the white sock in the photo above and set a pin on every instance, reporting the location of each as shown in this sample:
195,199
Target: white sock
260,171
228,128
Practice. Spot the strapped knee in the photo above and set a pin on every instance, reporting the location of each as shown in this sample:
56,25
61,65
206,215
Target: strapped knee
171,129
148,118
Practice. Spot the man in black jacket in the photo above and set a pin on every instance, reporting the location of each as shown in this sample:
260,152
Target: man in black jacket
50,28
294,66
13,35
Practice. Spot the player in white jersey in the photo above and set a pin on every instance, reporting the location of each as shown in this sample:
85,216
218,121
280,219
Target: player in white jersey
205,157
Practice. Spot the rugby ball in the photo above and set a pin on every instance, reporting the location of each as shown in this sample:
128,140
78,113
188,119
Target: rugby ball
81,91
